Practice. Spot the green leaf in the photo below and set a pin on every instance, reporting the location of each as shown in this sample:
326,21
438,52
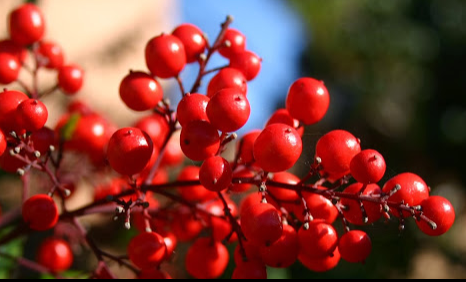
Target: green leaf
67,131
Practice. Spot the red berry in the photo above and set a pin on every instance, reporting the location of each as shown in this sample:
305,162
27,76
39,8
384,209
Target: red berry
236,43
187,225
308,100
199,140
215,174
10,101
336,149
251,250
228,110
240,188
3,143
355,246
207,259
70,79
284,252
220,225
413,191
281,193
140,92
249,201
283,116
9,46
55,254
165,56
368,166
193,41
319,241
153,273
129,151
147,250
195,193
352,210
248,63
50,55
440,211
321,264
277,148
31,115
261,224
43,138
245,147
40,213
227,78
192,107
319,206
156,126
173,154
254,270
9,68
26,24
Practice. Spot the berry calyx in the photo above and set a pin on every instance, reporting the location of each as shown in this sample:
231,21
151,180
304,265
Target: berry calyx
147,250
40,213
165,56
55,254
26,24
440,211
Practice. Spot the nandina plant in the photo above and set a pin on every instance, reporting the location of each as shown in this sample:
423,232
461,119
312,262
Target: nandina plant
282,219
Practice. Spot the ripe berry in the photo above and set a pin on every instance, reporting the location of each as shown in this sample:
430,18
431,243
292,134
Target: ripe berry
277,148
220,225
10,101
147,250
3,143
284,252
199,140
207,259
368,166
227,78
236,43
281,193
246,270
352,210
9,46
251,251
129,151
192,107
187,225
336,149
283,116
43,138
9,68
193,41
440,211
26,24
413,191
215,174
319,206
55,254
195,193
319,241
70,79
248,63
40,213
228,110
355,246
261,224
173,154
165,56
156,126
321,264
50,55
240,188
31,115
245,147
140,92
308,100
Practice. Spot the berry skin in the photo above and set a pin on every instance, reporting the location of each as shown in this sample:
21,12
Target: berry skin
31,115
147,250
9,68
55,254
277,148
308,100
284,252
368,166
261,224
336,149
237,43
207,259
284,194
228,110
355,246
50,55
248,63
283,116
319,207
227,78
156,126
321,264
3,143
129,151
10,101
43,139
440,211
26,24
193,41
245,147
9,46
40,212
254,270
192,107
187,226
197,193
215,174
319,241
199,140
165,56
140,92
70,79
353,211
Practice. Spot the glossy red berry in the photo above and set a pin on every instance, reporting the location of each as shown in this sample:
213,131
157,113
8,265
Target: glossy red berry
227,78
319,206
245,147
70,79
355,246
43,138
40,213
192,107
277,148
324,264
308,100
193,41
261,224
50,55
187,225
216,174
140,92
9,68
31,115
246,270
199,140
284,252
207,259
236,43
413,191
319,241
195,193
336,149
219,224
368,166
441,212
283,116
242,187
156,126
129,151
248,63
251,251
281,193
26,24
147,250
165,56
55,254
9,46
228,110
3,142
352,209
10,101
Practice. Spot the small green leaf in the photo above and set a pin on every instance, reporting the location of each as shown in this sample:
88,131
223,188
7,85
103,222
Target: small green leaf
67,131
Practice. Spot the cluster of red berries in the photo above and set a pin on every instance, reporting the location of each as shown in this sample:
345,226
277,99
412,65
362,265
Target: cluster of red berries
290,219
